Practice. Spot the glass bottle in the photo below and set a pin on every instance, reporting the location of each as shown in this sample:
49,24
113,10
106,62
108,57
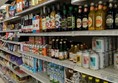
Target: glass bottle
83,79
90,79
53,48
100,17
91,18
65,49
79,18
97,80
58,17
44,20
110,16
116,15
61,51
57,48
64,18
85,18
71,19
71,52
52,18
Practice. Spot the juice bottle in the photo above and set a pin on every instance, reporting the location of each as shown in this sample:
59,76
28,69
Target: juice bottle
91,18
100,17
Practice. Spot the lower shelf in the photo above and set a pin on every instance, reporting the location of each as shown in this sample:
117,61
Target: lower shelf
43,78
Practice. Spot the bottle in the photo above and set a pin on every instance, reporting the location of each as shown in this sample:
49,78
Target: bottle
94,61
100,17
110,16
48,19
75,53
90,79
58,17
64,18
65,49
79,19
71,52
57,48
61,51
83,79
27,4
52,18
41,17
71,19
116,15
91,18
53,48
85,18
44,20
97,80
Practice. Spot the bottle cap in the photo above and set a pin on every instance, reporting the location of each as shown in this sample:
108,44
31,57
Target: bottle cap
105,82
83,76
80,6
100,2
92,4
85,5
90,78
110,0
97,80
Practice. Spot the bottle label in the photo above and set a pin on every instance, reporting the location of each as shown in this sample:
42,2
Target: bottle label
48,22
71,22
58,20
86,60
52,52
109,20
98,21
116,20
79,22
85,23
56,53
52,24
43,24
90,22
92,62
61,55
64,23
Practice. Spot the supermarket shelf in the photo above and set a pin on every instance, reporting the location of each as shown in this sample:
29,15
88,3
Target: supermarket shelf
11,18
64,63
74,33
9,31
17,73
39,76
9,60
35,7
13,42
109,74
16,54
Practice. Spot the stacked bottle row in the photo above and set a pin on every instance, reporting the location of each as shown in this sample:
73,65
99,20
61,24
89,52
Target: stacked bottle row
100,56
67,17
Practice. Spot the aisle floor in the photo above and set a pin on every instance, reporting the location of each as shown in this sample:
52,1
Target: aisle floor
1,81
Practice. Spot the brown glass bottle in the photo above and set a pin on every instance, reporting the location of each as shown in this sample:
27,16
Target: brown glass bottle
79,19
44,20
57,48
100,17
91,18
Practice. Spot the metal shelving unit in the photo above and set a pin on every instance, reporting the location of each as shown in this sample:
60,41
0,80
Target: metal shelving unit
17,73
13,53
12,42
9,31
39,76
9,60
35,7
110,74
74,33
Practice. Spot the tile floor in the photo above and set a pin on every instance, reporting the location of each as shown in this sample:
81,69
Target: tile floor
1,81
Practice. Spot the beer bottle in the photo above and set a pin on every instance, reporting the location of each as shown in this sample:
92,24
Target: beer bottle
71,19
64,18
116,15
91,17
65,49
85,18
79,18
44,20
58,17
83,79
41,17
57,48
100,17
61,51
110,16
97,80
53,49
90,79
71,52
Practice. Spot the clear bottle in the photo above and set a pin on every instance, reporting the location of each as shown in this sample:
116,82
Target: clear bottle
71,54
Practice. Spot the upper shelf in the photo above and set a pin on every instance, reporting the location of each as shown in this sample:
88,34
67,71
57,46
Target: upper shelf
9,31
11,18
74,33
35,7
